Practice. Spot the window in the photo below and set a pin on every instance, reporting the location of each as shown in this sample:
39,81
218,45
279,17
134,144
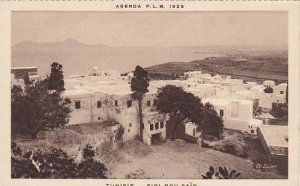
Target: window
99,104
129,103
252,131
142,125
77,105
116,103
161,124
156,126
151,126
148,103
194,132
130,124
128,130
221,113
155,102
281,92
99,118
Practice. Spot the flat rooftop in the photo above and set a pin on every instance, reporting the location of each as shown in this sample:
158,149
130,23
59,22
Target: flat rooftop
225,101
276,138
119,87
275,135
14,68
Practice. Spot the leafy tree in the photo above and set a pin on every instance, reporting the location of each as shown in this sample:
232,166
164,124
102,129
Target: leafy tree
212,123
223,173
21,165
180,105
279,110
139,86
34,108
88,152
90,168
56,80
268,89
54,164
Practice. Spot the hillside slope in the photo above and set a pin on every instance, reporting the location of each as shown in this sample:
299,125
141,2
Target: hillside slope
254,68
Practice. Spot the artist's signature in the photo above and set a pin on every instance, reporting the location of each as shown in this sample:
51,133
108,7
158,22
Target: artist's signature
264,166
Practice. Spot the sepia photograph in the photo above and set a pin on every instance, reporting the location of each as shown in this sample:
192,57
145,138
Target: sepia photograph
149,95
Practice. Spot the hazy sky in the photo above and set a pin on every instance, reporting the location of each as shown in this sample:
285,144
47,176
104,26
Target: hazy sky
153,28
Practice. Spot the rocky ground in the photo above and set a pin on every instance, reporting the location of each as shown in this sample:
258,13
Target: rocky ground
179,159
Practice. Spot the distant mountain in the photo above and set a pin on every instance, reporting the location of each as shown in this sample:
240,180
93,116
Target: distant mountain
67,44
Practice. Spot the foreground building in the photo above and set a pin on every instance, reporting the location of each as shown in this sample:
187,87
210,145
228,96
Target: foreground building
100,98
274,140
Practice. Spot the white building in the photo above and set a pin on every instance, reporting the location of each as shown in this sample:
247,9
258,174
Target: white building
269,83
274,140
237,114
280,89
265,99
18,74
191,129
96,100
106,95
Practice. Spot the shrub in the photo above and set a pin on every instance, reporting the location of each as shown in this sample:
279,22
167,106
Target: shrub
64,137
268,90
223,173
54,164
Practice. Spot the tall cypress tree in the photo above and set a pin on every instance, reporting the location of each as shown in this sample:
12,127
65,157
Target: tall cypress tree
56,80
139,87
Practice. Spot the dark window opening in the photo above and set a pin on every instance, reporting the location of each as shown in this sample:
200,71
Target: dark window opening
99,104
281,92
252,131
77,105
142,125
221,113
99,118
161,124
128,130
151,126
130,124
156,126
148,103
129,103
116,103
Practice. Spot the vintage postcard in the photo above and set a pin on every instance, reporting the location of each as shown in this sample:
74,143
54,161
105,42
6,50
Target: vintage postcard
149,93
